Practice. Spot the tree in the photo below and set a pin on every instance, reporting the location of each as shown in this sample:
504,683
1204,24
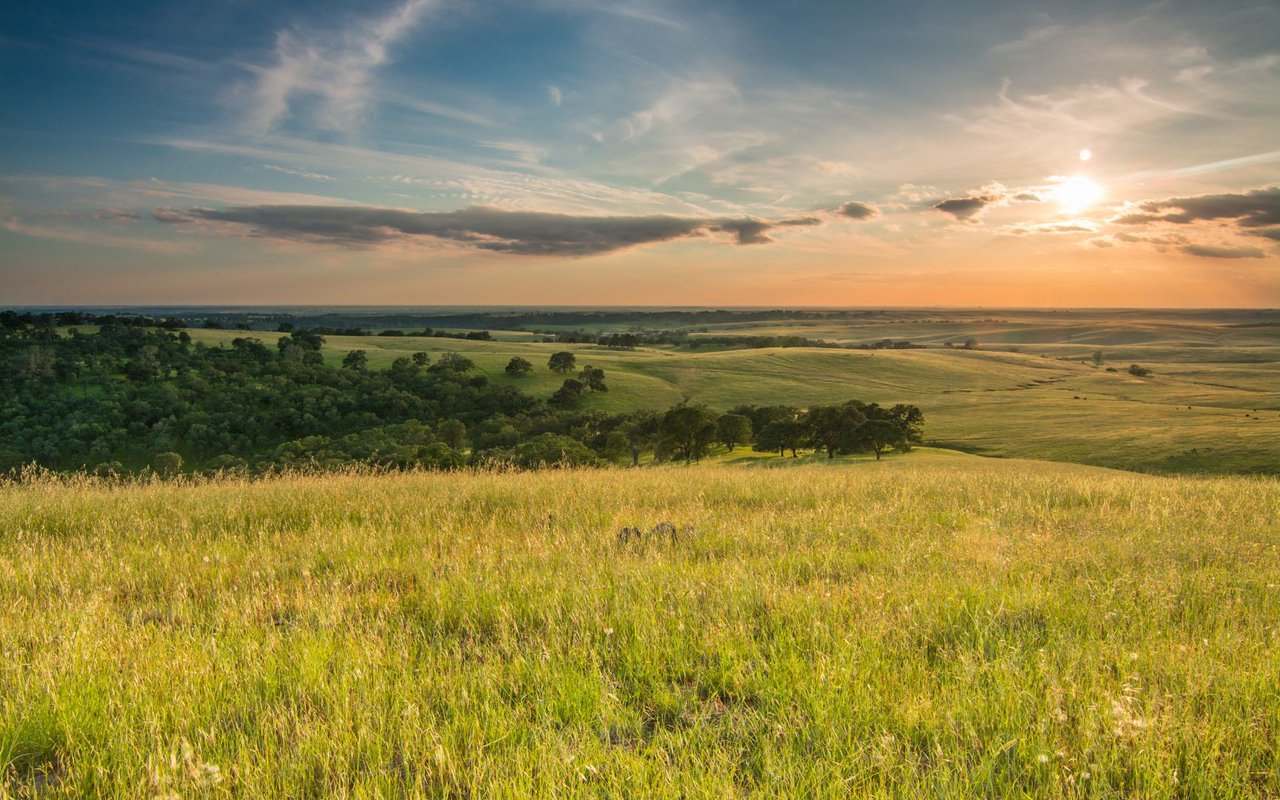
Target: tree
145,365
37,363
568,396
518,367
1139,371
301,347
453,433
687,431
833,429
403,369
615,446
593,378
553,450
1097,358
167,464
971,344
910,420
453,362
733,430
421,359
780,435
881,435
641,431
356,360
562,362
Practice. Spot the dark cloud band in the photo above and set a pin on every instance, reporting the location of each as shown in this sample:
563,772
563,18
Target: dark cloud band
527,233
855,210
1258,208
967,207
1211,251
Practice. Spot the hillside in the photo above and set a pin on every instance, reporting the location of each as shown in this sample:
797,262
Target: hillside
977,627
1037,403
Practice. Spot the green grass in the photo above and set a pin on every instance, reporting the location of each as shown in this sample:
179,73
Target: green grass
992,402
932,625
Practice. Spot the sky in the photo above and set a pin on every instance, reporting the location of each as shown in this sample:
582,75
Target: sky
640,152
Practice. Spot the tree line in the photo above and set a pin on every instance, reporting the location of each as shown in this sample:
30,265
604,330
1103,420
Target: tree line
127,399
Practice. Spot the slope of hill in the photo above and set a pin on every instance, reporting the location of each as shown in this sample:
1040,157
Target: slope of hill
1217,416
936,622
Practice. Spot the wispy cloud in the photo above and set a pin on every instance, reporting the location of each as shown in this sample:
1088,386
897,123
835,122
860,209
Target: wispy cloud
298,173
527,152
451,181
434,109
80,235
332,68
145,56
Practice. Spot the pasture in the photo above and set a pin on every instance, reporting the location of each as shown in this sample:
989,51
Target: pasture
1030,390
933,624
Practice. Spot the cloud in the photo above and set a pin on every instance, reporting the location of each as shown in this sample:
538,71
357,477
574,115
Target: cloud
1073,226
333,69
93,238
968,207
526,152
1270,233
555,95
1030,39
1253,209
856,210
1211,251
299,173
117,215
528,233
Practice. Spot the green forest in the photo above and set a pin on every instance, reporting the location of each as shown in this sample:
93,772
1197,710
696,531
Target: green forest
137,395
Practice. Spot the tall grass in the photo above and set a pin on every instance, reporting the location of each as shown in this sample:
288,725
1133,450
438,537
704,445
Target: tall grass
922,627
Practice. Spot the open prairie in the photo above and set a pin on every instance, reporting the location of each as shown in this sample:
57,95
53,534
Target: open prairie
1031,388
935,624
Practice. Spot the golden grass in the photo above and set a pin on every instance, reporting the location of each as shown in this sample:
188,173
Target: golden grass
927,626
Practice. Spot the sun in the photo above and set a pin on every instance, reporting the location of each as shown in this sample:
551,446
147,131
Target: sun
1077,193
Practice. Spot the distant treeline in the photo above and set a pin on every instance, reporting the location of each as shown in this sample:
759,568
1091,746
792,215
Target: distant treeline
629,341
132,399
272,319
12,320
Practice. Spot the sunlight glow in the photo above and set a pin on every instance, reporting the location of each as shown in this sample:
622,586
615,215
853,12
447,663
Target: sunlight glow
1077,193
1086,154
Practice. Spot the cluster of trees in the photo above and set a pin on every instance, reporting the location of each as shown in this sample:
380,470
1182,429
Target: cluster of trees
121,397
851,427
11,320
470,336
571,392
891,344
128,398
683,338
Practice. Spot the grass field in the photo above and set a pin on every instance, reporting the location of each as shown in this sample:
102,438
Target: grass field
933,625
1046,401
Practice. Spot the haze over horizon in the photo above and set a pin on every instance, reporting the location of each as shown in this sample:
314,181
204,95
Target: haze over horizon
639,152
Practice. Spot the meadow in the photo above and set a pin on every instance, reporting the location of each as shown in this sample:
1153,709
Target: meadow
1031,389
935,624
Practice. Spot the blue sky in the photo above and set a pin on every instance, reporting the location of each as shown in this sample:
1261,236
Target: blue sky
638,151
